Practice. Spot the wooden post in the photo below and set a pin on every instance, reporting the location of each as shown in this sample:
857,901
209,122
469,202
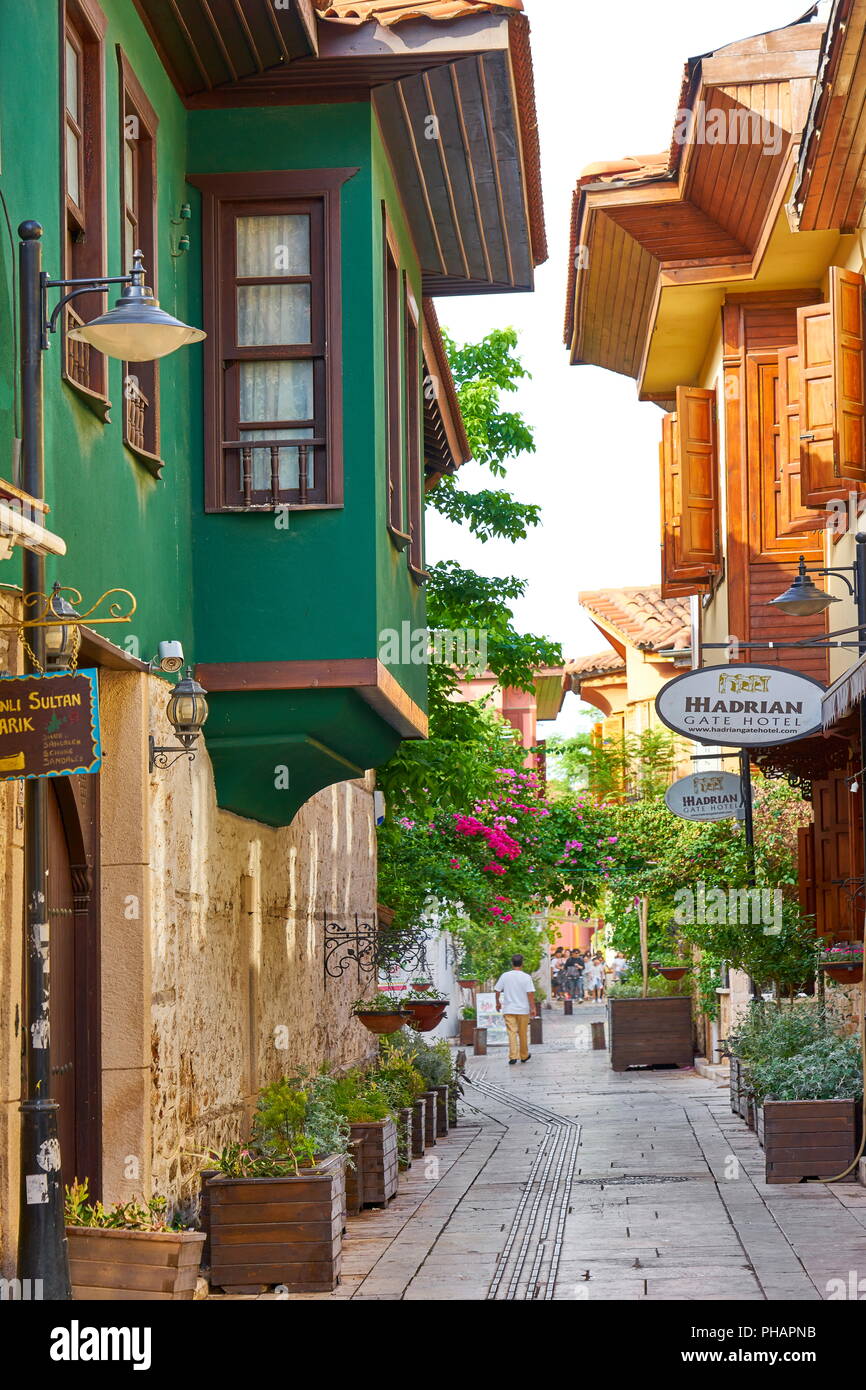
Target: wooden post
598,1042
644,957
567,1007
480,1042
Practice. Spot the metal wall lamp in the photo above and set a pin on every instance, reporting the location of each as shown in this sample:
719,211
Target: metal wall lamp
186,712
135,330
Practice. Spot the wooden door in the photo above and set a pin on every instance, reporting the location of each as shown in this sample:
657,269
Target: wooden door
72,901
837,858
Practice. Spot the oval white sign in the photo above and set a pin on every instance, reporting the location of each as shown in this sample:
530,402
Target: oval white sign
741,706
705,796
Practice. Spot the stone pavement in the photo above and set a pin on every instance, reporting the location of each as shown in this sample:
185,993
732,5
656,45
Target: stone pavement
567,1181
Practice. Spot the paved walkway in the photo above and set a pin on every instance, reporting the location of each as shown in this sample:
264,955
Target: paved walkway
567,1181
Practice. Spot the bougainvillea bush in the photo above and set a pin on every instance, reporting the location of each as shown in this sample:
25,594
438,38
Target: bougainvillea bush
495,865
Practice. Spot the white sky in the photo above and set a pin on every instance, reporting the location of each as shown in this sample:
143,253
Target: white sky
608,80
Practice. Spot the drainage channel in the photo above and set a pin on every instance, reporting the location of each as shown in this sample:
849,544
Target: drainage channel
529,1263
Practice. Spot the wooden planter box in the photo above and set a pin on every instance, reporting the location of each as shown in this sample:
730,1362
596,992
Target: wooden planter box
734,1083
759,1124
355,1176
650,1032
136,1265
419,1126
467,1032
809,1138
266,1231
441,1111
404,1138
430,1118
377,1165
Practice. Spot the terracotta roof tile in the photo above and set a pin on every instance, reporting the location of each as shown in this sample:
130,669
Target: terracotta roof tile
395,11
600,663
642,617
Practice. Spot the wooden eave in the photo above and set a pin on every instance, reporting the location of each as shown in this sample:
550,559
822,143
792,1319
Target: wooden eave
207,44
446,447
830,189
706,221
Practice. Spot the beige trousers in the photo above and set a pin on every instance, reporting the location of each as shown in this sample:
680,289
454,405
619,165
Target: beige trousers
518,1034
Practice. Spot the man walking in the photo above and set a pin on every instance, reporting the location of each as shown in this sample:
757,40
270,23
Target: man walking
515,1000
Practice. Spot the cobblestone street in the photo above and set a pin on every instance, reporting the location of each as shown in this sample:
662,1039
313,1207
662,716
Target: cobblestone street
565,1180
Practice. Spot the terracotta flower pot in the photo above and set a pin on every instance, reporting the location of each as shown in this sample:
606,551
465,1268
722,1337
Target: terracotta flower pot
423,1016
421,988
467,984
845,974
376,1022
671,972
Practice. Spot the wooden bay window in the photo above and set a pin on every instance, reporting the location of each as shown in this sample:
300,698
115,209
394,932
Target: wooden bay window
414,481
83,188
273,384
138,127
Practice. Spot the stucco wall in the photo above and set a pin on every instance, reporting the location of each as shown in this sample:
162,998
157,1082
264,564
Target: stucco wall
229,989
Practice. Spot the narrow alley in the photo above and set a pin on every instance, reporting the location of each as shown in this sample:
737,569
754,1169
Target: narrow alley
564,1180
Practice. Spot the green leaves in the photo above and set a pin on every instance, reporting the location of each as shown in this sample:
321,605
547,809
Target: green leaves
491,514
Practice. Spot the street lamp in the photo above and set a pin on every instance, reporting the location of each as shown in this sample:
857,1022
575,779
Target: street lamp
804,598
62,639
186,712
136,330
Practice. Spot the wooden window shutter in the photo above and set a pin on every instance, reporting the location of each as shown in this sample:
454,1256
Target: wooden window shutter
794,517
691,547
806,869
698,551
833,392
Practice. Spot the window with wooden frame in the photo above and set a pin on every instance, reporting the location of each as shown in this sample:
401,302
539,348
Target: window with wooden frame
83,188
832,392
273,362
689,469
138,127
414,481
394,386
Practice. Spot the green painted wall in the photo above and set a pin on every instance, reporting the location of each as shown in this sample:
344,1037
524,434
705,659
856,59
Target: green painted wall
232,587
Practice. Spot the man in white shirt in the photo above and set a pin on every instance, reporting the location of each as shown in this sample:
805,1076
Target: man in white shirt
515,1000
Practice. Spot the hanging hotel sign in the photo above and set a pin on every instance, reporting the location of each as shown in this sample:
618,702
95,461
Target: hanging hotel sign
705,796
49,725
743,706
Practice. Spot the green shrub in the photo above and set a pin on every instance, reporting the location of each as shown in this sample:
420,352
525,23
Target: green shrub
631,987
829,1068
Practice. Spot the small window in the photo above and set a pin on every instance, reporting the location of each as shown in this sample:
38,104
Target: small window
83,190
138,128
394,389
414,485
273,381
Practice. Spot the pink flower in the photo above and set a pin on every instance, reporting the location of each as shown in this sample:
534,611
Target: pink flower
454,863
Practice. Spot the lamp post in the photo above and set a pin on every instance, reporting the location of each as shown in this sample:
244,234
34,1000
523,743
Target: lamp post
136,330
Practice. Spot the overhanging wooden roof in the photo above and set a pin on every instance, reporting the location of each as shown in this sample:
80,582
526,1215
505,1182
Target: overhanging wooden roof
699,214
446,447
470,177
830,189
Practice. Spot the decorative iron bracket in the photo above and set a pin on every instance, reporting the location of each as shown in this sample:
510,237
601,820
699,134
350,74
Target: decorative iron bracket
347,943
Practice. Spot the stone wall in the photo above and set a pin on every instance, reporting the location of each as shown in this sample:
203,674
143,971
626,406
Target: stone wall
235,980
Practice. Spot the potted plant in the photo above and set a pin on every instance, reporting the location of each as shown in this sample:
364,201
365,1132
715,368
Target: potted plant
811,1109
652,1028
403,1084
468,1019
131,1250
421,986
670,969
368,1110
426,1011
843,962
276,1208
380,1013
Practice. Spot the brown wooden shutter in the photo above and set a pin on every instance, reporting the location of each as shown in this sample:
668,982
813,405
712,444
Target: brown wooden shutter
832,392
806,869
680,574
698,549
793,517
